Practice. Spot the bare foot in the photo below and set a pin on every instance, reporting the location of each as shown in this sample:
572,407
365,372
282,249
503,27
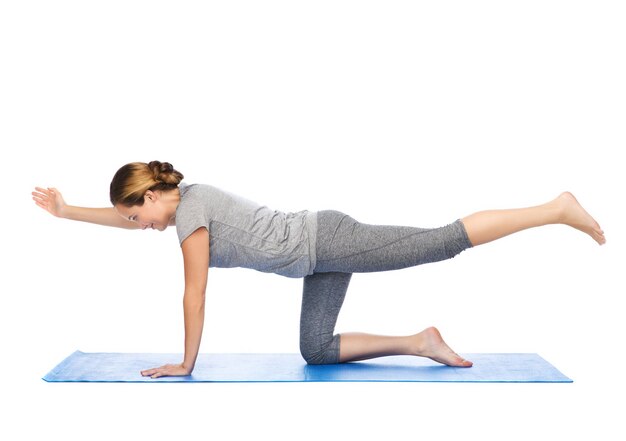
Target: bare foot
574,215
431,345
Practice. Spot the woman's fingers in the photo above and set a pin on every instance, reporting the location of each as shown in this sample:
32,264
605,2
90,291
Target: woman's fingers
166,370
42,200
49,192
43,203
154,373
49,199
43,197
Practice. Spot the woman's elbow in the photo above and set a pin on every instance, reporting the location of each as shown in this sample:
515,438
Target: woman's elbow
195,295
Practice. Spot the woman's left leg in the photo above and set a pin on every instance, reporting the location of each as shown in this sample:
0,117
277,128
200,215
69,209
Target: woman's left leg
486,226
347,245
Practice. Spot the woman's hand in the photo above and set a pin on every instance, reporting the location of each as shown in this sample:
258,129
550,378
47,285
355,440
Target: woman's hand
50,200
168,370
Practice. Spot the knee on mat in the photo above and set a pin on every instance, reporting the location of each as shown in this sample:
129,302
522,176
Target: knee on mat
319,354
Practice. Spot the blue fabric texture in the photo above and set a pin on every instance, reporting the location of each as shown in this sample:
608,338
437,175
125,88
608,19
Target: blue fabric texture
265,367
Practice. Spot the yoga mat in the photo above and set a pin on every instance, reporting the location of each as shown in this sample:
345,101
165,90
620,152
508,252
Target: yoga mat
265,367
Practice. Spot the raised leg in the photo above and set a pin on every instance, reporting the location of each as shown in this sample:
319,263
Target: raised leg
486,226
324,292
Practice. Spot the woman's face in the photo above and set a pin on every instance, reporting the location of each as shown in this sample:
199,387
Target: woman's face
156,211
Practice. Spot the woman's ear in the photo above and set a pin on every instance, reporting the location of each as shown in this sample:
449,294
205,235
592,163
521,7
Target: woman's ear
150,195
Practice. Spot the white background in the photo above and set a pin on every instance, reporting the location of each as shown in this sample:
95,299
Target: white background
409,113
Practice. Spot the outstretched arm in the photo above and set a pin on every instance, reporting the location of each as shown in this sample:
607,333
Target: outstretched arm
51,200
196,260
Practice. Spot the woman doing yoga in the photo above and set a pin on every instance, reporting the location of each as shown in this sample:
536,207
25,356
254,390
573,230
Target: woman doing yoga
216,228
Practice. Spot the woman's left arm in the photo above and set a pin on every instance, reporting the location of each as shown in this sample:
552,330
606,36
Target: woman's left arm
196,260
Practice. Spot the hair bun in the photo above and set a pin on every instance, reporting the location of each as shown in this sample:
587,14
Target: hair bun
164,172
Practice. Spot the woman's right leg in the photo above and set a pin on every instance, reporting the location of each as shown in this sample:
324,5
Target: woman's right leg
345,246
322,297
428,343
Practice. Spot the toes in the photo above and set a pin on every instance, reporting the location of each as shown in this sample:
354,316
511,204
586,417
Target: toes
452,359
456,362
599,237
461,362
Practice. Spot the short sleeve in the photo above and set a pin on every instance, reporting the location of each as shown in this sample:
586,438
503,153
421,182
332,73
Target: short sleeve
190,215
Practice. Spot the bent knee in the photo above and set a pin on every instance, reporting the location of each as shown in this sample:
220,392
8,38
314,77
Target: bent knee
327,353
319,358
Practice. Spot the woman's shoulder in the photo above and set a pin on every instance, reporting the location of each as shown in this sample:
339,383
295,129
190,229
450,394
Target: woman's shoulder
191,193
213,197
194,202
200,195
192,188
206,190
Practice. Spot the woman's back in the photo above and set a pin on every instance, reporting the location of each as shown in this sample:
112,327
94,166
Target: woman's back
246,234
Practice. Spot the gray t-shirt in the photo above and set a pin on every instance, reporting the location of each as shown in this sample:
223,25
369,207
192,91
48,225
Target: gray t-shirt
245,234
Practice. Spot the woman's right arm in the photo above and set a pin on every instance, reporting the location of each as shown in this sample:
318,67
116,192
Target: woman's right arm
51,200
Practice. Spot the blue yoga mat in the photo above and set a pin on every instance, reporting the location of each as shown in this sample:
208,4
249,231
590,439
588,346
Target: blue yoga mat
262,367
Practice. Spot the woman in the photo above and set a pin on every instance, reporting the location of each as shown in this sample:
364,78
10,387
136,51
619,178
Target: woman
217,228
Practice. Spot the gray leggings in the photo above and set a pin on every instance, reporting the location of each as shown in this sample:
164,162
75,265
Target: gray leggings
346,246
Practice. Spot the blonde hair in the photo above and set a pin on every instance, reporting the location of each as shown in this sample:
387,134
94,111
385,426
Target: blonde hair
132,181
